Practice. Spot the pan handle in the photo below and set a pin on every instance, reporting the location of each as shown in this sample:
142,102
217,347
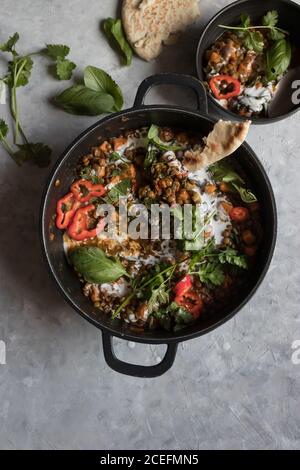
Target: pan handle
133,369
186,81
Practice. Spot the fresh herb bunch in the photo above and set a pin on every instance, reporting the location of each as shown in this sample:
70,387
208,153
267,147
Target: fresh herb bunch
222,171
278,55
18,75
99,94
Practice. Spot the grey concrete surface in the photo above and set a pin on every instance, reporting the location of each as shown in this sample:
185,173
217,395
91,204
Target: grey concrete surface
236,388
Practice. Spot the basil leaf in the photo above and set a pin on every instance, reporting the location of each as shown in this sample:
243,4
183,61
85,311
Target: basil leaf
56,51
114,32
278,58
224,172
98,80
64,68
246,195
118,191
93,264
83,101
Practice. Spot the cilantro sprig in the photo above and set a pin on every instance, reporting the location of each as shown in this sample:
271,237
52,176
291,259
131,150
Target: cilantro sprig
251,35
19,68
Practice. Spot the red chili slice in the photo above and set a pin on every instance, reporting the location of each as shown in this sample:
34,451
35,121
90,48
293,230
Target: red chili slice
224,87
84,190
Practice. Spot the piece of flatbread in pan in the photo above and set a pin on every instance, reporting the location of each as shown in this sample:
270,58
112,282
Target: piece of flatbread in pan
149,24
223,140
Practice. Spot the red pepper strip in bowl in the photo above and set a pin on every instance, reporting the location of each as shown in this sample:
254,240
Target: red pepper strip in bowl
183,286
224,87
78,230
191,302
84,190
65,210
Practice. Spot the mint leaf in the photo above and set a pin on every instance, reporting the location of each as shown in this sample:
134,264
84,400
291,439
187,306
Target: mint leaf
98,80
64,68
114,32
56,51
246,195
84,101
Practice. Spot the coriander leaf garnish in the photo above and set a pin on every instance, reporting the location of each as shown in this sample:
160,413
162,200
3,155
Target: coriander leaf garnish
10,44
98,80
211,273
114,32
64,68
251,37
57,51
37,153
3,129
94,266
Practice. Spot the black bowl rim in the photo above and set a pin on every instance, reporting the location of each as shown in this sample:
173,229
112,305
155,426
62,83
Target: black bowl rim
180,336
225,112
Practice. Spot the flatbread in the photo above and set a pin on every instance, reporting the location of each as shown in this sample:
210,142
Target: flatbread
223,140
149,24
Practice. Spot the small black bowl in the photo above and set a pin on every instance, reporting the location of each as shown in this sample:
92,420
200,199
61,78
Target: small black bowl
289,19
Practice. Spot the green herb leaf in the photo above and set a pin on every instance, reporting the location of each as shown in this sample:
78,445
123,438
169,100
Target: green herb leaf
56,51
64,68
278,58
117,191
211,273
151,156
270,19
159,296
114,32
3,129
37,153
245,20
246,195
231,256
254,41
98,80
19,71
83,101
94,266
9,46
153,136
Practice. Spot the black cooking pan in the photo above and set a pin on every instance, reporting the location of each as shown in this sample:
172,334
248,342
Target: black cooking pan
64,171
